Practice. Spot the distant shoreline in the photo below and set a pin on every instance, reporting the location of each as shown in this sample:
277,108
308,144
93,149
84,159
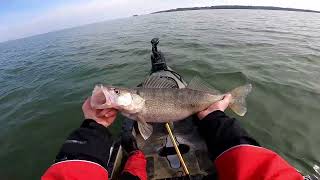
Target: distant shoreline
237,7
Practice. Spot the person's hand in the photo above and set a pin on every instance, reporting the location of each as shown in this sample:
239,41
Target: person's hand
104,117
220,105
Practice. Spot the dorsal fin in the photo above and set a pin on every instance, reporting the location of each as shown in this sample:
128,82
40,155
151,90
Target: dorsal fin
197,84
158,82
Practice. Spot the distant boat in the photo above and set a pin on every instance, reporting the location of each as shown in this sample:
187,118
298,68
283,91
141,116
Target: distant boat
135,15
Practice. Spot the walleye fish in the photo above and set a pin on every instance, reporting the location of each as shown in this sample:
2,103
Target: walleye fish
158,102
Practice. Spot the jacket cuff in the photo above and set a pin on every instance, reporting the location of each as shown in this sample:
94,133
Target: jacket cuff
91,142
214,115
222,132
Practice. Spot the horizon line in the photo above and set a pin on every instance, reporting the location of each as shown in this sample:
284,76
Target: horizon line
217,7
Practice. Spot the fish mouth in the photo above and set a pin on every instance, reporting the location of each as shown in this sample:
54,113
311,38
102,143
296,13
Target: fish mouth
101,98
107,97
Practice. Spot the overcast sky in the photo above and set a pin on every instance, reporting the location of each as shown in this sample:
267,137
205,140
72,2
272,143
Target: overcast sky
22,18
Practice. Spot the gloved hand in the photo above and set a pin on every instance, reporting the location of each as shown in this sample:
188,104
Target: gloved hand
129,143
104,117
220,105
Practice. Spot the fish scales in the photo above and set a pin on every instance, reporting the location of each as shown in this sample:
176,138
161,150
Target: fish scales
162,105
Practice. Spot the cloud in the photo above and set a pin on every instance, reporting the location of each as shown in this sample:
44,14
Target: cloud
22,24
75,14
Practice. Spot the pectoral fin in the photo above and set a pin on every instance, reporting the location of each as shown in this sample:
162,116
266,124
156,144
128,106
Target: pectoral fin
145,129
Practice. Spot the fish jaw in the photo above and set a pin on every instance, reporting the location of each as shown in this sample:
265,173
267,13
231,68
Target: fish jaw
106,97
122,99
101,98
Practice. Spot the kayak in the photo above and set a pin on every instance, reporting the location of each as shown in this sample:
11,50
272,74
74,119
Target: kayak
162,159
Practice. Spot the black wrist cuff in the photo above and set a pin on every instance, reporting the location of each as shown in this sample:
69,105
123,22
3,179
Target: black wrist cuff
221,133
91,142
214,115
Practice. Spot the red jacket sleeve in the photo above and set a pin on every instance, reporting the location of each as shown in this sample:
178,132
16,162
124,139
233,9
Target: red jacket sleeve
76,170
136,165
246,162
83,155
238,156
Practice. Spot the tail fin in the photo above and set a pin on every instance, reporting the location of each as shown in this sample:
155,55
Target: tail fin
238,102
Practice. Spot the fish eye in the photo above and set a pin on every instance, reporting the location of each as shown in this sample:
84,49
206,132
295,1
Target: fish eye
117,91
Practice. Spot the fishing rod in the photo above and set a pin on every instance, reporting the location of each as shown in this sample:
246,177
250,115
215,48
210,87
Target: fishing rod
175,145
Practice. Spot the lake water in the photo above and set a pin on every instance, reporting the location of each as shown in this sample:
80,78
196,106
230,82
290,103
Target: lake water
44,79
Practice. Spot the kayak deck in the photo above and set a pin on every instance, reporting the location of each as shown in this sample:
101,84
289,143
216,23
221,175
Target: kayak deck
195,152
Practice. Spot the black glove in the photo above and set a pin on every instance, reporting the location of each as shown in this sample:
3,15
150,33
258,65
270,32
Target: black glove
90,142
129,143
